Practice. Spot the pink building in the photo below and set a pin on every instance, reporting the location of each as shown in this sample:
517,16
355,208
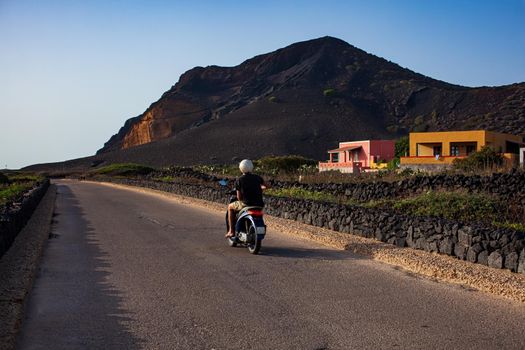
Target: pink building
357,156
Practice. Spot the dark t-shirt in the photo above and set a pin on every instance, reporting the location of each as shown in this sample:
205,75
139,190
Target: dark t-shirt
250,187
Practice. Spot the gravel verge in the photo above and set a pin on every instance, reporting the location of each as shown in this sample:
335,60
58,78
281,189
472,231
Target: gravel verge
18,268
442,268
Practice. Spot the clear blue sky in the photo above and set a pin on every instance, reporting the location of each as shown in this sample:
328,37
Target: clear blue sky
73,71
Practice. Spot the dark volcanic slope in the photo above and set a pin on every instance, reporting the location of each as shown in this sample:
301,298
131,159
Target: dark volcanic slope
303,99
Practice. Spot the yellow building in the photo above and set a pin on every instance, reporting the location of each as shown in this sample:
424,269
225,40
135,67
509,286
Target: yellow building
441,148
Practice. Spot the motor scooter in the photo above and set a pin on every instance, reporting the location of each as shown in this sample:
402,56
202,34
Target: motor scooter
250,229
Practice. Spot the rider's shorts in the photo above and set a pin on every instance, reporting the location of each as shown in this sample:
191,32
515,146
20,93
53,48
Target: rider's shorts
237,205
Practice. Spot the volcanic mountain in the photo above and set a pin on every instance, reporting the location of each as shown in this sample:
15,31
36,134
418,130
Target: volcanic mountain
303,99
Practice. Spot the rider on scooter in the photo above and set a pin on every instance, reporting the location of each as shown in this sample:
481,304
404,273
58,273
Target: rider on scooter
249,189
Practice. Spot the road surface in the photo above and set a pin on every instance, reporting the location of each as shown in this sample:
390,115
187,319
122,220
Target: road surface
129,270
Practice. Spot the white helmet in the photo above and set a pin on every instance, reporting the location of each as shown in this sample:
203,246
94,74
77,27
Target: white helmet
246,166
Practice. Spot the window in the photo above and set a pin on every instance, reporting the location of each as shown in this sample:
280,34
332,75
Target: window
512,147
437,150
356,156
471,149
335,157
454,150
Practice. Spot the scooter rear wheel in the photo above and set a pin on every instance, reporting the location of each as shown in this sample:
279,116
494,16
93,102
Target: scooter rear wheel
255,245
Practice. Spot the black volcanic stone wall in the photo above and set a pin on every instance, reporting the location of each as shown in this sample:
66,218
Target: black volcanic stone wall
508,186
495,247
14,216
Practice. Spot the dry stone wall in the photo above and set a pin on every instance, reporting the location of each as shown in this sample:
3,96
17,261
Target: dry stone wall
508,186
14,216
492,246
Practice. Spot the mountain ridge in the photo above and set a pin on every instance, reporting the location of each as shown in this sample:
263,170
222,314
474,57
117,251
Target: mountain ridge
303,99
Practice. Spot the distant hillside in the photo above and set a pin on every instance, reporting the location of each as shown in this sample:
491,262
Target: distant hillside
303,99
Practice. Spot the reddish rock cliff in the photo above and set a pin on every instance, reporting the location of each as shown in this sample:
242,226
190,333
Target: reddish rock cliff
304,99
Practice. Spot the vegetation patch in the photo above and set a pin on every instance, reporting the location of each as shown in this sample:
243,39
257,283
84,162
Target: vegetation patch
283,165
329,92
13,191
452,205
484,159
14,185
266,166
458,206
3,179
301,193
401,149
226,169
168,179
124,169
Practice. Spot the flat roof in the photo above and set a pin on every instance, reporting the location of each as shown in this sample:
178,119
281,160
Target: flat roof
342,149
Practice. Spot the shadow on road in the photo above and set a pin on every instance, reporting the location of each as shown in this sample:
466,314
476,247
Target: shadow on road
72,304
305,253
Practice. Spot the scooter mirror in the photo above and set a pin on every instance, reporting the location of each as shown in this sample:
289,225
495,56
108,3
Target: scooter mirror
223,182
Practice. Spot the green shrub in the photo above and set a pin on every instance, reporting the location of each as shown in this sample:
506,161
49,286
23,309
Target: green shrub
3,179
484,159
401,147
393,164
328,92
228,169
283,164
124,169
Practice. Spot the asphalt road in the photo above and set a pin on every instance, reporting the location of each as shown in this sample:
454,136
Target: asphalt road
128,270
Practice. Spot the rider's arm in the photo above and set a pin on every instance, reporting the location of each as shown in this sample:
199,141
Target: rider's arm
239,196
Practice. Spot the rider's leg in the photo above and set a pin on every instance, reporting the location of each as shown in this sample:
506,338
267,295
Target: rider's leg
231,220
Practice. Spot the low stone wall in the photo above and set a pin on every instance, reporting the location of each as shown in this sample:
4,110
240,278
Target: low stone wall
508,186
14,216
495,247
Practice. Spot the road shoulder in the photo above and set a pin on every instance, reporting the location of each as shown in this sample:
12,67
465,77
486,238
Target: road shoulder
18,268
